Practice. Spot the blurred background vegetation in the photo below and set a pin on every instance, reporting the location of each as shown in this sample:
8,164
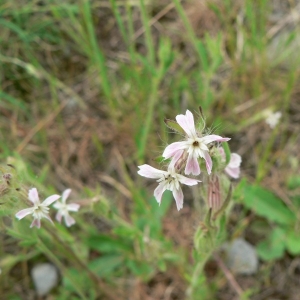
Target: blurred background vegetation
85,87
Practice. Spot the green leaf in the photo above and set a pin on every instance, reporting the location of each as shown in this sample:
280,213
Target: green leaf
148,66
293,242
274,246
266,204
203,55
160,210
162,265
165,55
76,281
159,159
107,244
8,261
105,265
150,220
140,268
14,102
173,125
172,257
128,232
293,182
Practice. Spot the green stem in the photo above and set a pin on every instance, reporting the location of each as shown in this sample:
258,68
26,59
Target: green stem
96,53
130,28
119,21
149,119
186,24
148,36
263,166
198,270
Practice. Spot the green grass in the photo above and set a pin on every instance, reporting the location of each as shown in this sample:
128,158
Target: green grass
83,102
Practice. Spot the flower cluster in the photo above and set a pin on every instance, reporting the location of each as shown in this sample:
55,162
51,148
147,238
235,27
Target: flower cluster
186,157
41,210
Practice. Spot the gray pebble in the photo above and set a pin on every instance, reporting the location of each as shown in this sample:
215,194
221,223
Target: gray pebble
241,257
45,277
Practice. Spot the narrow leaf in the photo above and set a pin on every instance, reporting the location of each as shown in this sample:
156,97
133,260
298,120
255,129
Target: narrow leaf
174,126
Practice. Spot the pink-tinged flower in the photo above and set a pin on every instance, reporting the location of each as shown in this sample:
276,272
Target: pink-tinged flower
64,208
168,180
233,167
195,145
39,210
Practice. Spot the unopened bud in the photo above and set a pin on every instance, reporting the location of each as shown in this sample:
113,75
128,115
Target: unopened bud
214,192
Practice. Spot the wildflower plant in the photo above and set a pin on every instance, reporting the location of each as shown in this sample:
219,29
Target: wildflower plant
198,148
200,158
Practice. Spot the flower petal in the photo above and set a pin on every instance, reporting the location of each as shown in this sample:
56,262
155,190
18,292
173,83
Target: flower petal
235,160
214,138
58,216
175,159
233,172
69,220
73,207
178,196
174,148
159,191
192,165
187,181
24,212
208,162
33,196
187,123
58,205
36,222
150,172
65,195
50,200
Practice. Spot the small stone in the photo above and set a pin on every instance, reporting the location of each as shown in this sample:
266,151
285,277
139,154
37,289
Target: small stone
45,277
241,257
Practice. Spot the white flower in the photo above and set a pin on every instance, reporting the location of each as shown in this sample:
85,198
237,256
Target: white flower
273,119
63,209
195,145
39,210
168,180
